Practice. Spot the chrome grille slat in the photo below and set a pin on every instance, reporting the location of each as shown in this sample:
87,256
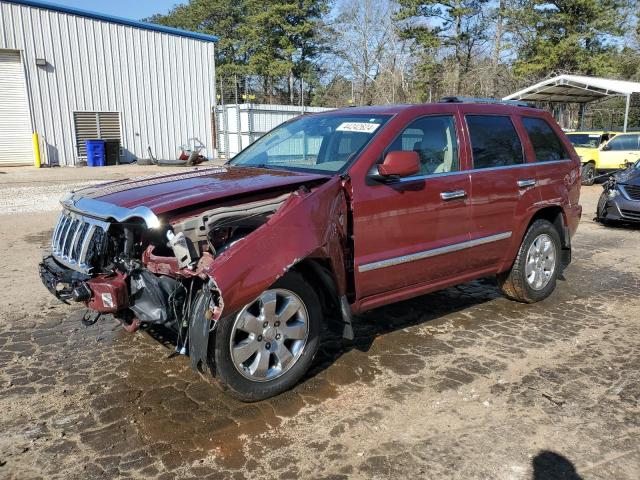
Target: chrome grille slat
63,234
56,231
87,241
68,240
72,239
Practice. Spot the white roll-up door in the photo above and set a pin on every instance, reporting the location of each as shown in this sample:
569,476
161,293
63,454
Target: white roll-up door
16,147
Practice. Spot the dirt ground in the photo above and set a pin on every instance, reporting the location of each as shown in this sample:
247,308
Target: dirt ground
460,383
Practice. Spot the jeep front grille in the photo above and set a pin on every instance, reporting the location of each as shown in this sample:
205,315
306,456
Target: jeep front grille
78,240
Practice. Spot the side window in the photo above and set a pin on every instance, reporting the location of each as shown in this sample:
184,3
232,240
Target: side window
546,144
434,138
623,142
494,141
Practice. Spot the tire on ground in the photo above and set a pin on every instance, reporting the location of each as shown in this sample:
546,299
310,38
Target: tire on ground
588,174
513,283
252,391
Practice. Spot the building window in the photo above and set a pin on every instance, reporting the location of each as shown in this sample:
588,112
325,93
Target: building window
95,126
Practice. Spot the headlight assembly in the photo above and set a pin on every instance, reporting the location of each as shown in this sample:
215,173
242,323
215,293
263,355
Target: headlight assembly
613,193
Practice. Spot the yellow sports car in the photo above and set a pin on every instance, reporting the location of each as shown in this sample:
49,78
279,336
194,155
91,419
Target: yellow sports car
587,145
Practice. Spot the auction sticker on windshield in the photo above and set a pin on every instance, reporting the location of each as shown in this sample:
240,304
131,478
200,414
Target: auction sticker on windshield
357,127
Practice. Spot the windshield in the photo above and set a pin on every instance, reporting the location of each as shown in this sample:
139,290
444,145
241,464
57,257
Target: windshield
325,143
585,140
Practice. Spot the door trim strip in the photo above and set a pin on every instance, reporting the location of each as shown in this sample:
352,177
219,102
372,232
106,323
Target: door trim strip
390,262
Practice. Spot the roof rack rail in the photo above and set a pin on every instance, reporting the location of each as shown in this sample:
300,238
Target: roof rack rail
497,101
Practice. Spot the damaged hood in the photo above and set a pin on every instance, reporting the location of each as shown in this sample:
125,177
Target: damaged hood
171,191
631,176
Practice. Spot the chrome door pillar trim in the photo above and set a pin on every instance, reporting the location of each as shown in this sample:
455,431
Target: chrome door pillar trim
390,262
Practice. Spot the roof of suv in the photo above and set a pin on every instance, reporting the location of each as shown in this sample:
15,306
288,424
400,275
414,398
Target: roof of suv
398,108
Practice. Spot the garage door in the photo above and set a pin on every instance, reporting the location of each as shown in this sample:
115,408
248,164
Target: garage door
16,146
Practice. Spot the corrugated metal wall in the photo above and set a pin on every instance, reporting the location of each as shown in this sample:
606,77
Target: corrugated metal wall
161,84
238,125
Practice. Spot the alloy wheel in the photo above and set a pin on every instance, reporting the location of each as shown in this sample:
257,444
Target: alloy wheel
541,262
269,335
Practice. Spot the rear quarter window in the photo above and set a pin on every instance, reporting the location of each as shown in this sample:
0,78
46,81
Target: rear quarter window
494,141
546,144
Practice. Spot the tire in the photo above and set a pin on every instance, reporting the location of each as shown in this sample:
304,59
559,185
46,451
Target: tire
588,174
516,284
601,209
248,380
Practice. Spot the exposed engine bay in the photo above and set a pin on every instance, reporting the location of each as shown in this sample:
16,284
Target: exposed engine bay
144,275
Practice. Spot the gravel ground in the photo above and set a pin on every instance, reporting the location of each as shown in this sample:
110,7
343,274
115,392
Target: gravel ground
36,198
460,383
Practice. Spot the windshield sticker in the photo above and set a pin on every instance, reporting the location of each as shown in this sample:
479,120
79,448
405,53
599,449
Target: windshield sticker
357,127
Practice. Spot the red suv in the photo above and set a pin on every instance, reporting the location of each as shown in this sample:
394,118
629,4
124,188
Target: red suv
324,217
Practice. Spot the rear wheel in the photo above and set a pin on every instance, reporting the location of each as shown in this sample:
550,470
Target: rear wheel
533,275
588,174
268,346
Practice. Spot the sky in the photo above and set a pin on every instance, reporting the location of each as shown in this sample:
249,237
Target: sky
131,9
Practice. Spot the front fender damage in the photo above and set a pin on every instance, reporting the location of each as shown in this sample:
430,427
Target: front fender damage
309,224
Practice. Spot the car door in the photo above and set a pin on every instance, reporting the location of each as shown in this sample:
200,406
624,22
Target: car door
503,185
621,149
407,231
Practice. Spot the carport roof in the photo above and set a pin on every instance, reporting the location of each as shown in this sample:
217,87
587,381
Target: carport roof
575,89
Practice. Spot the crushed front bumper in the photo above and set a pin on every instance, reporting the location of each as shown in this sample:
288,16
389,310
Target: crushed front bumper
60,280
618,209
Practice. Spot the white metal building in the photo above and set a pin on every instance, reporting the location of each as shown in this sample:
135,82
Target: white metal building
71,75
240,124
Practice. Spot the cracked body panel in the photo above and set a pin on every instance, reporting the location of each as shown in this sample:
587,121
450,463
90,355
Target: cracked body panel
308,225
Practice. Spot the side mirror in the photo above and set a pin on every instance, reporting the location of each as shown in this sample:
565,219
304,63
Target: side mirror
399,164
606,147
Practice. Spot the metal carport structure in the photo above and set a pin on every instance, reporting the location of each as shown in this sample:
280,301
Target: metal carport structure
578,89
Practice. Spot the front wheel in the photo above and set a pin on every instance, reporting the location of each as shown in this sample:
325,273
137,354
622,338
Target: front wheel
533,275
269,344
588,174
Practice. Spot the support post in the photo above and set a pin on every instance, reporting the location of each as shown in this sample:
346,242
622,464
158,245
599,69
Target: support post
36,151
626,113
581,115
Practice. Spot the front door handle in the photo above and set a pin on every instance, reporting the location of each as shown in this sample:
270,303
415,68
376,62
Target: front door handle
453,195
526,182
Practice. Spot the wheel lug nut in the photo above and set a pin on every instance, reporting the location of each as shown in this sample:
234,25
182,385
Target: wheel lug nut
277,324
268,345
278,336
259,338
265,324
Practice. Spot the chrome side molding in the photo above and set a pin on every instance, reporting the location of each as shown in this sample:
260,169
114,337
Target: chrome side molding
390,262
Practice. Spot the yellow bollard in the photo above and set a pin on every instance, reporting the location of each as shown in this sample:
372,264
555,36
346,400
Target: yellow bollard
36,150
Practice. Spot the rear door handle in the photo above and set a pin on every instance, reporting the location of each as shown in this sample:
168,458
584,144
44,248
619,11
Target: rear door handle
453,195
526,182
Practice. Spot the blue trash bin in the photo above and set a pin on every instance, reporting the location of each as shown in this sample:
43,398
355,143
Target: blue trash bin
95,153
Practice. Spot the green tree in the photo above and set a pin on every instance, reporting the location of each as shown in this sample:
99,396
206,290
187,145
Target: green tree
454,26
271,40
214,17
566,36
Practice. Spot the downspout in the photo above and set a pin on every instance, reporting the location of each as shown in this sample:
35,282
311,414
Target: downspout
626,113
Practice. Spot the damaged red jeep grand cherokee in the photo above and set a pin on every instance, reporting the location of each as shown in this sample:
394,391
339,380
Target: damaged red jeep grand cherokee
324,217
